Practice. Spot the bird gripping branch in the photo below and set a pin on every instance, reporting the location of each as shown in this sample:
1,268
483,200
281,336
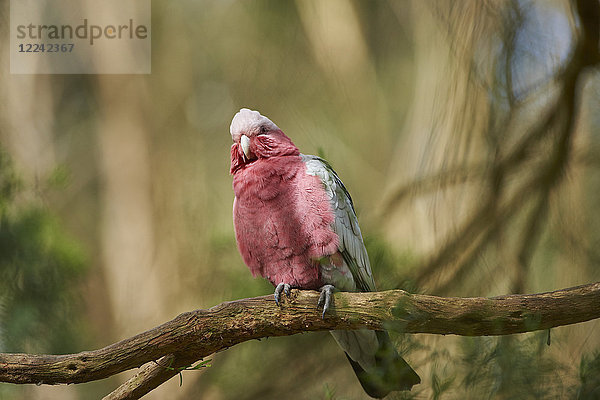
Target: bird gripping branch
296,226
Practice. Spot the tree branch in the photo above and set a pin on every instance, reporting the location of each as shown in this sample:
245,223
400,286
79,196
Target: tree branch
197,334
151,376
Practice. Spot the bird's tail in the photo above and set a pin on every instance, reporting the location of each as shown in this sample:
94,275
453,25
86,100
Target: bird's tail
375,361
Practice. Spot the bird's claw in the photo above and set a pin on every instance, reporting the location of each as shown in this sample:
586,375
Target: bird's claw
325,298
282,287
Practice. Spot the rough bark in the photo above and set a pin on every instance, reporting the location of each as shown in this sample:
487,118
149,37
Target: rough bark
196,334
152,375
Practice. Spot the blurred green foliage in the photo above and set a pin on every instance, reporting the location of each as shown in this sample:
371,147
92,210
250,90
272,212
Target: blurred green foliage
511,367
390,268
40,271
589,375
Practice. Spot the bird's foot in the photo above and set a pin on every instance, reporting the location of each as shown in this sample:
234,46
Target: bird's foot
281,288
325,298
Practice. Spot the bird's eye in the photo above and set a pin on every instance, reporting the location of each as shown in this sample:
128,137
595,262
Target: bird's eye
263,130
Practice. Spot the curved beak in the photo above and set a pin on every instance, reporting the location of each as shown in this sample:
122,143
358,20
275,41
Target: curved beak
245,143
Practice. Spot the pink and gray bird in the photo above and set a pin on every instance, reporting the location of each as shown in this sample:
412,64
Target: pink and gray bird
296,226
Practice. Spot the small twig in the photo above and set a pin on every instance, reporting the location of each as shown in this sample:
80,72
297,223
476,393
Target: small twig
152,375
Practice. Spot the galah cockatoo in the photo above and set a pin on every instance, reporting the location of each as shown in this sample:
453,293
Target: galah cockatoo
295,225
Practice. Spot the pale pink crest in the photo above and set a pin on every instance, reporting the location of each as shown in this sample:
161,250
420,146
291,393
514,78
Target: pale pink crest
248,122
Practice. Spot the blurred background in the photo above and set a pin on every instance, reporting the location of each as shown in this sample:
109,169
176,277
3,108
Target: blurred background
468,134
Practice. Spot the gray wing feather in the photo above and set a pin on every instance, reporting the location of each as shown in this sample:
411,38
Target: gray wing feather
346,223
